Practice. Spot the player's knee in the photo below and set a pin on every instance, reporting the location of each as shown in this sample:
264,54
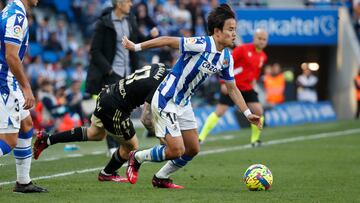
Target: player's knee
12,143
193,151
175,153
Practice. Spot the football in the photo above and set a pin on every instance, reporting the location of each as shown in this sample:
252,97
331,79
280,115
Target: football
258,177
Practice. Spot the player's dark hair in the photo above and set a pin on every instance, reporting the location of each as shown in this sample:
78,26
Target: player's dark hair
218,16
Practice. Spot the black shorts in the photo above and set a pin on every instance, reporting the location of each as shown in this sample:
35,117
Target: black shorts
114,119
249,96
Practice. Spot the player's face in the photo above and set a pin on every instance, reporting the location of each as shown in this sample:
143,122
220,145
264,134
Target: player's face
125,6
228,34
260,39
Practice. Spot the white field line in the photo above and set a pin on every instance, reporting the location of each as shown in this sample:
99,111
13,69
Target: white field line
221,150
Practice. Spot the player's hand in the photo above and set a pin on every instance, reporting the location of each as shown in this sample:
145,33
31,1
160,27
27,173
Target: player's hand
154,32
29,98
128,44
255,119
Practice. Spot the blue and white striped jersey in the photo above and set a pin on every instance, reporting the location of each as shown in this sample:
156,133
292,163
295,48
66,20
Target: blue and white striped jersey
198,60
14,30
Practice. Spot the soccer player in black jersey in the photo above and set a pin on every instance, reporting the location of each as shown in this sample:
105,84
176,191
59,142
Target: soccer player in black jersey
112,117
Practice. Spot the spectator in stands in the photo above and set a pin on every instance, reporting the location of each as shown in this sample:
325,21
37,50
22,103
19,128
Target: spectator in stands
43,31
52,43
62,33
50,110
144,21
110,61
274,85
32,27
306,85
34,70
73,99
357,86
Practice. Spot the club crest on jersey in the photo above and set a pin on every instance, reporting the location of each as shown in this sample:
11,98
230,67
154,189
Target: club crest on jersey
226,62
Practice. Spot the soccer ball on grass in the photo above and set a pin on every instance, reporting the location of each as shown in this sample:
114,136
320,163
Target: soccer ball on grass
258,177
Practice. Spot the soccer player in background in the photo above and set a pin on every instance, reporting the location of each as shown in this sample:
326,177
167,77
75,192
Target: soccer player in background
16,94
248,61
173,116
112,116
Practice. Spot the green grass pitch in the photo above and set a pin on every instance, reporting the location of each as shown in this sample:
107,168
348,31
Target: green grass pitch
310,163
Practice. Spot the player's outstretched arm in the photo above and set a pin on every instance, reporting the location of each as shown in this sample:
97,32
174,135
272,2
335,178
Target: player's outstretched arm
238,99
162,41
16,67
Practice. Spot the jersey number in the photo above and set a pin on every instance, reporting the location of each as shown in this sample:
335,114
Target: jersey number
139,74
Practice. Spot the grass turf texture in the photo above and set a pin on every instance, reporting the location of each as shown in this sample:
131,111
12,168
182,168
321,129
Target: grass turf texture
319,170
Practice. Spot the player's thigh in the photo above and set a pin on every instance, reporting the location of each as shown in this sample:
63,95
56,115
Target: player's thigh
96,131
223,105
221,109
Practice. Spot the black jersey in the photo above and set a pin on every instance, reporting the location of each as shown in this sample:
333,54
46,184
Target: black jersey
138,87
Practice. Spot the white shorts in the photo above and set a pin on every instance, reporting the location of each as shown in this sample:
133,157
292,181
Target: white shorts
172,119
12,111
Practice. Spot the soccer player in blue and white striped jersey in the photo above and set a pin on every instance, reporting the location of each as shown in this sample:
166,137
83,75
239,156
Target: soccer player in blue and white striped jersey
16,94
173,116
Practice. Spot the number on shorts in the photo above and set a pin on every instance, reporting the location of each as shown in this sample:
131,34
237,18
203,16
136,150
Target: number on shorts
172,117
17,105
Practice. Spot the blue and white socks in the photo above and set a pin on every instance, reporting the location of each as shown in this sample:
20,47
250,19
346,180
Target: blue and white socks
4,148
23,155
155,154
173,165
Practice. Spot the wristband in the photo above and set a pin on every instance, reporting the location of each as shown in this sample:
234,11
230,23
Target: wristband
247,112
137,47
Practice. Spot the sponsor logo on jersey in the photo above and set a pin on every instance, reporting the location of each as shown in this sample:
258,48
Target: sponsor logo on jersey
208,68
122,88
17,30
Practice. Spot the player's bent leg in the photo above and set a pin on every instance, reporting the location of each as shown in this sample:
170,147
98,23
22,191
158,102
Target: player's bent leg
212,120
117,160
8,141
192,148
109,173
23,155
79,134
257,109
159,153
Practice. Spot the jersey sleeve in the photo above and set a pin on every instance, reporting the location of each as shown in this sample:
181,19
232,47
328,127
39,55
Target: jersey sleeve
227,72
195,44
16,27
150,96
